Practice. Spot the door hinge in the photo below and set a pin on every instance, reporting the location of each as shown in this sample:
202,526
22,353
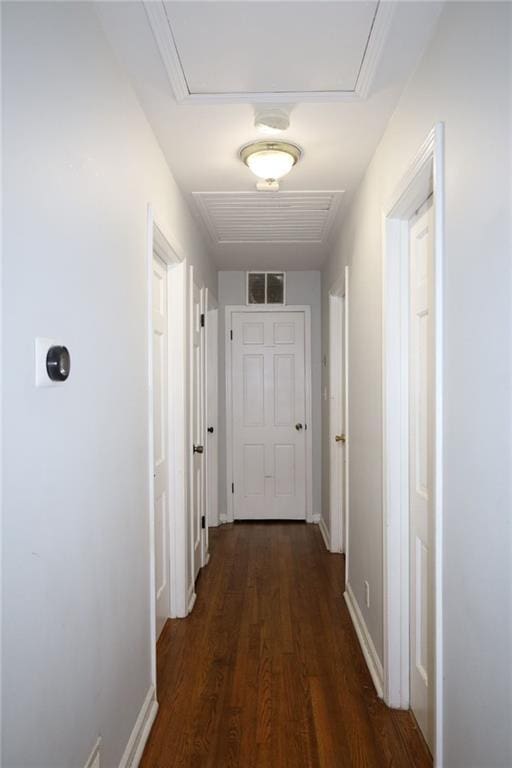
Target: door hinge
231,335
232,487
202,320
203,521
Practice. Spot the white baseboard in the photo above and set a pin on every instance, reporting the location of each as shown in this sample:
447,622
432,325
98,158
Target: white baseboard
139,735
191,598
223,520
206,559
315,519
365,641
325,534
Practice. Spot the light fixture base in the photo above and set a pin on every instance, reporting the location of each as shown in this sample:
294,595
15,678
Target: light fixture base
268,185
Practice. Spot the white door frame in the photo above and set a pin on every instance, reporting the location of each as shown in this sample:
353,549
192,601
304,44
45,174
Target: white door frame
159,245
229,399
203,299
205,555
338,415
212,413
424,176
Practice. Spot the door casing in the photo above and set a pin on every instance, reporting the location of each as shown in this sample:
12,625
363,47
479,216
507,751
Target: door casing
159,245
310,518
336,540
424,176
212,414
160,350
201,438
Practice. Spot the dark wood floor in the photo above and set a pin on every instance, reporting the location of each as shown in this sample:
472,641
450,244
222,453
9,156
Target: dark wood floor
267,672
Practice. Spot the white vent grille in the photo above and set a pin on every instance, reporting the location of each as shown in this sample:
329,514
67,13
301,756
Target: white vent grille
268,217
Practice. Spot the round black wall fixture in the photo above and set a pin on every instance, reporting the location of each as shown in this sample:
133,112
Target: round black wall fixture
58,363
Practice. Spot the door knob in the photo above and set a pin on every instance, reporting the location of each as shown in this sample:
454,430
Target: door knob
198,449
340,438
298,427
210,430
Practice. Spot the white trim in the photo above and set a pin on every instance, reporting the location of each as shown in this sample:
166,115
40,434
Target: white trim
162,31
310,516
151,457
93,761
203,302
336,421
378,37
325,533
347,418
178,457
159,245
191,598
205,556
341,288
140,732
365,641
212,415
425,174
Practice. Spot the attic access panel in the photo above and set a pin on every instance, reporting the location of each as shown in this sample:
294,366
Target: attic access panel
242,50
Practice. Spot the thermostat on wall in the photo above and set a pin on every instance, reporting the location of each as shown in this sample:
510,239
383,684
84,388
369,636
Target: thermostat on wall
53,362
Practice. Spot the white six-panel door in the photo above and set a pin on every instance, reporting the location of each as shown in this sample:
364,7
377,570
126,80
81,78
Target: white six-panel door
269,415
421,473
160,444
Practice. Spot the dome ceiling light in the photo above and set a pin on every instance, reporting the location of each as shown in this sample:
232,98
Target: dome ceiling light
270,161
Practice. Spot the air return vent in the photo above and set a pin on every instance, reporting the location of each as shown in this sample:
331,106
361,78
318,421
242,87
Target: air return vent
268,217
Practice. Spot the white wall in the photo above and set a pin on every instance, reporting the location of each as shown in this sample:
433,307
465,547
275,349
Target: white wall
301,288
464,80
80,167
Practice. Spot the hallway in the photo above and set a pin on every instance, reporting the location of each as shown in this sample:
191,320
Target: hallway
267,670
256,384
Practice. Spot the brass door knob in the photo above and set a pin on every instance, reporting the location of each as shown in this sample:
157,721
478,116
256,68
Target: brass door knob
198,449
340,439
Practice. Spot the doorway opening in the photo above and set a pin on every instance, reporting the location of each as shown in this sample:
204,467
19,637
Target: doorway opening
412,441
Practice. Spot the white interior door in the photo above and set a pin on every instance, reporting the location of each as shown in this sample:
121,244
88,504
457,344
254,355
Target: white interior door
269,415
421,472
197,426
160,444
212,484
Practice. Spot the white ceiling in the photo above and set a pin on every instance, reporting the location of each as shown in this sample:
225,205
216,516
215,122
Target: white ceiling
306,49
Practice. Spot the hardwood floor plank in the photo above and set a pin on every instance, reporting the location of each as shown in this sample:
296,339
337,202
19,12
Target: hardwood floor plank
267,671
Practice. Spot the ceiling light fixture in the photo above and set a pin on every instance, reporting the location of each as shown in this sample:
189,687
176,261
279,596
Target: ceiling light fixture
271,121
270,160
